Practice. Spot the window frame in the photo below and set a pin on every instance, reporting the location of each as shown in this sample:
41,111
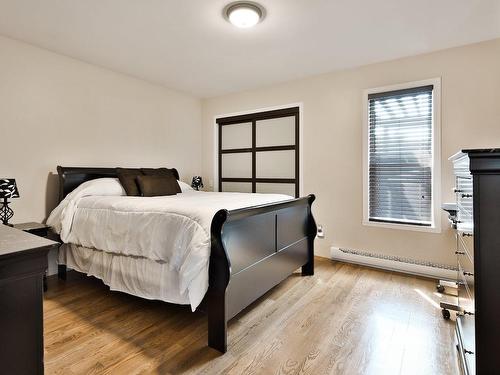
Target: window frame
435,226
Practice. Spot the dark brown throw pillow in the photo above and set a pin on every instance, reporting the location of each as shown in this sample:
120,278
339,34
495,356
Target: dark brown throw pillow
157,172
153,186
127,179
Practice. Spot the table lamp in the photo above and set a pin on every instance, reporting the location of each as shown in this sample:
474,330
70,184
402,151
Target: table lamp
8,189
197,182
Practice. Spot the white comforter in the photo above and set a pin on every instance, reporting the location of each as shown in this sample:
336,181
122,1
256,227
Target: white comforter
174,230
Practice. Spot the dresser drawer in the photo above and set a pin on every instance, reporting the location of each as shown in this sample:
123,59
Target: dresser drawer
465,289
464,257
463,195
466,347
465,243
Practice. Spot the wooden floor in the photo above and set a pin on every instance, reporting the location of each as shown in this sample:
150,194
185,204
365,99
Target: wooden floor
344,320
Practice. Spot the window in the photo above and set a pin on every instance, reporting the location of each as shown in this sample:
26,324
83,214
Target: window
401,156
259,152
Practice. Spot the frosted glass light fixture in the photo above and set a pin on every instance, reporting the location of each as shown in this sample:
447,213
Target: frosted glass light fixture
244,14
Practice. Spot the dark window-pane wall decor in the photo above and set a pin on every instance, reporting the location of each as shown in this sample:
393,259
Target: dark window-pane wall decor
401,156
259,152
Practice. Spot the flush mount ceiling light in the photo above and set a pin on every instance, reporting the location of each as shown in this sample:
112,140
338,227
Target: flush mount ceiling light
244,14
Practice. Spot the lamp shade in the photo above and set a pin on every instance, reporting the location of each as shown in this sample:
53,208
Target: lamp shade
197,182
8,188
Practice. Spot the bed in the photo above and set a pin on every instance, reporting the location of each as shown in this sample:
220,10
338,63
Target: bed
242,251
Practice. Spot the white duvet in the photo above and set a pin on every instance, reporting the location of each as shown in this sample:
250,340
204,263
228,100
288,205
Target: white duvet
173,231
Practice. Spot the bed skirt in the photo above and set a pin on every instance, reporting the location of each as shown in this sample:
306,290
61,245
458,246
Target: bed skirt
138,276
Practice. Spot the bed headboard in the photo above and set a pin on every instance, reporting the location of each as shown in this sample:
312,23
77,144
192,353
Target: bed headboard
71,177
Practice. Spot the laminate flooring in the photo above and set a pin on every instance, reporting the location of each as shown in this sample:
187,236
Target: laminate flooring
346,319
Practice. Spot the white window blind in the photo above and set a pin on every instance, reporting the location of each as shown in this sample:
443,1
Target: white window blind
400,156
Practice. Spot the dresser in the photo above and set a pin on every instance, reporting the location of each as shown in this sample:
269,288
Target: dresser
23,261
477,234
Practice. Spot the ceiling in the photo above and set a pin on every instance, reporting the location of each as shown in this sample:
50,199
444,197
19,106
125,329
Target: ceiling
187,45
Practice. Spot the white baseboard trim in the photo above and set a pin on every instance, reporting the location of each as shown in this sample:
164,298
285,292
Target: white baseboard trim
393,264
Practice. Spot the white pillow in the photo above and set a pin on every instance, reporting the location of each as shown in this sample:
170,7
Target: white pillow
185,187
61,217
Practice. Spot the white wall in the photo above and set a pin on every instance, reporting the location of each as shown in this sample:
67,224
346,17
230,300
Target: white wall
332,127
56,110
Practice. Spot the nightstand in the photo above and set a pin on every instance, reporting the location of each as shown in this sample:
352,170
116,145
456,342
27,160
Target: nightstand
37,229
40,230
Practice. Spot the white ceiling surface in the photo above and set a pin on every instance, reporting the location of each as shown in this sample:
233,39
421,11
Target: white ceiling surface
188,46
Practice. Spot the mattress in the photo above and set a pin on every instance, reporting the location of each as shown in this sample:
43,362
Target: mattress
168,237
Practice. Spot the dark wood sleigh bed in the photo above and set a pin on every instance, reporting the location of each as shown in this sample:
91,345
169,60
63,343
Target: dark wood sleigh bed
252,250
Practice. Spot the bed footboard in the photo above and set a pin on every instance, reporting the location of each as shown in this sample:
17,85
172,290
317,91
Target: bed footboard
253,250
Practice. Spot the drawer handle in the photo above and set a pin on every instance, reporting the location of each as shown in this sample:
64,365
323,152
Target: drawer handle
466,195
467,313
468,351
468,273
456,190
459,252
467,234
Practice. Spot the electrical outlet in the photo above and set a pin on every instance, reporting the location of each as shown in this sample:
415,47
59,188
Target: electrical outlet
320,233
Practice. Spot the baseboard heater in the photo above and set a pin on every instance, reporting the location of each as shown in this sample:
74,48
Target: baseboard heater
393,263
